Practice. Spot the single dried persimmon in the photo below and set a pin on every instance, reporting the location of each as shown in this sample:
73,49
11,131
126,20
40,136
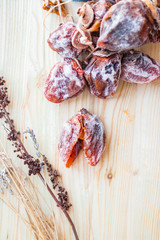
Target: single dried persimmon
83,130
126,25
65,81
60,40
94,141
102,75
69,143
138,67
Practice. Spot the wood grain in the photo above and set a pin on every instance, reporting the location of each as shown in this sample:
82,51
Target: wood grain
126,207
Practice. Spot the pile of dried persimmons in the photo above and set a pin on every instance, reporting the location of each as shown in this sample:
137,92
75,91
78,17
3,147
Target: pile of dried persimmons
104,39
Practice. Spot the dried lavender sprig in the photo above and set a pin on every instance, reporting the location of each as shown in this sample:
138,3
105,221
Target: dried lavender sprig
5,182
13,136
53,174
33,137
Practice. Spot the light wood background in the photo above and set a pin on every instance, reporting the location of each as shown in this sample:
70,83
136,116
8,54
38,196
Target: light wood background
126,207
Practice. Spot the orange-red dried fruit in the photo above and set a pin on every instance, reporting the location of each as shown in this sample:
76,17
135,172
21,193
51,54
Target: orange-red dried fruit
138,67
60,40
65,81
94,137
83,130
102,75
69,143
126,25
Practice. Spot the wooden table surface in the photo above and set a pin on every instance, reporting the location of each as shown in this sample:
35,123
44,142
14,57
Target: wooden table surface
126,207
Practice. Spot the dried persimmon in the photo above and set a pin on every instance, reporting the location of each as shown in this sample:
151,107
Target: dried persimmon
83,130
65,81
124,26
60,40
102,75
106,31
69,143
138,67
94,141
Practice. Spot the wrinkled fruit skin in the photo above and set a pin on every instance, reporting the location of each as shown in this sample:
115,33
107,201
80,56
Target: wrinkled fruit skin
61,40
102,75
138,67
94,137
69,143
100,8
124,26
154,36
83,130
65,81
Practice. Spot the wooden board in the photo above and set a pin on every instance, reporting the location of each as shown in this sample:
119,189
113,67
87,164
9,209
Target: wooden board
127,207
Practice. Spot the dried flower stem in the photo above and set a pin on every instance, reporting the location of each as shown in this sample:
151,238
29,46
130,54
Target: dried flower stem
33,165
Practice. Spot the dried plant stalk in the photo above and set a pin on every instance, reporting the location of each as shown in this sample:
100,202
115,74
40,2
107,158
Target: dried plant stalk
34,164
42,226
